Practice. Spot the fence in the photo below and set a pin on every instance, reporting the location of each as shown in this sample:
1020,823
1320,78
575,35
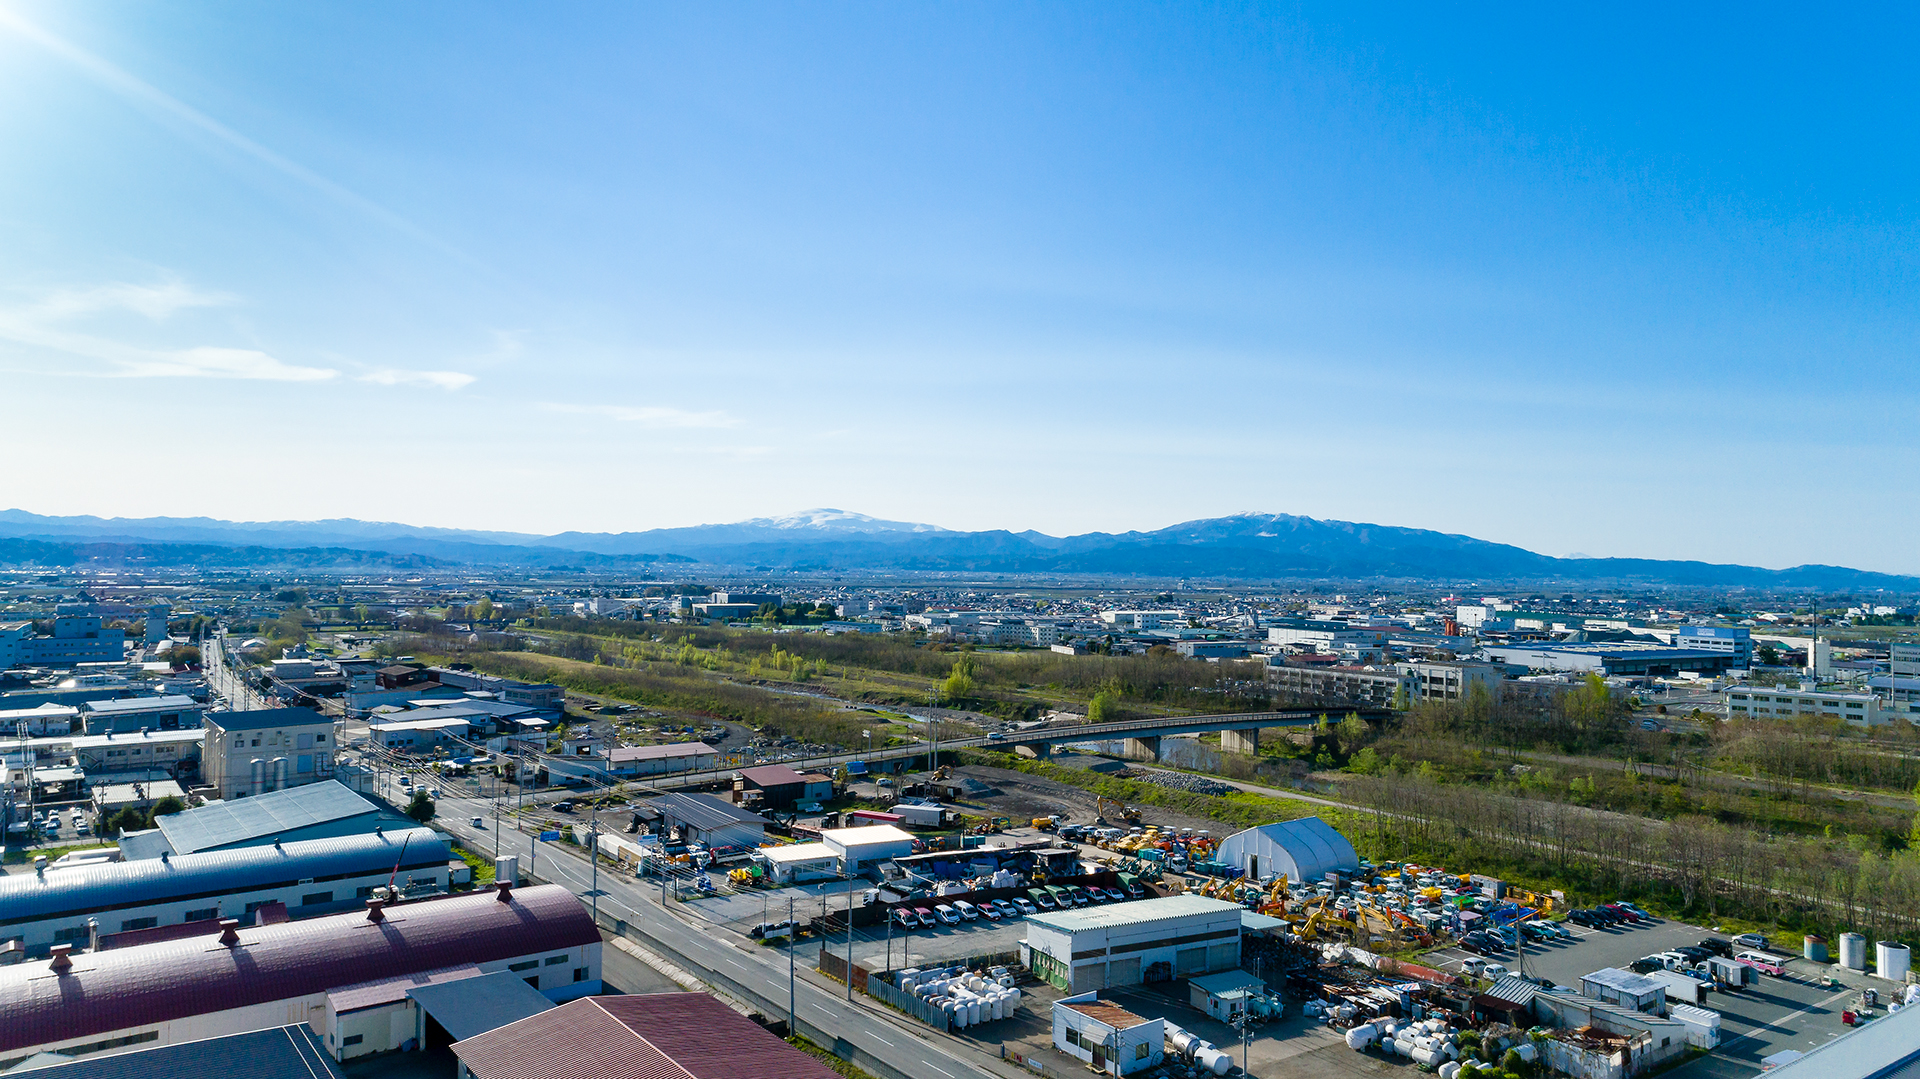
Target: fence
927,1012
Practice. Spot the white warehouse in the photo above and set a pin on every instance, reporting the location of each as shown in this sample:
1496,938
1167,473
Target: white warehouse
1304,849
315,876
1108,1037
1086,950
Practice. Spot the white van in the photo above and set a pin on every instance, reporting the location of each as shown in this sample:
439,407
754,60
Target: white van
946,914
967,910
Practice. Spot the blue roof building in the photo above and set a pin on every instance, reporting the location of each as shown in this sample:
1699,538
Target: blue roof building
313,811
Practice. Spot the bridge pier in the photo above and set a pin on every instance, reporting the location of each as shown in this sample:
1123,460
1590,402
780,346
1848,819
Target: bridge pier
1039,751
1247,741
1144,749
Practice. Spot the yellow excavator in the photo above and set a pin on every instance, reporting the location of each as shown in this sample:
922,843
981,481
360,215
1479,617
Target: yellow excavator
1114,811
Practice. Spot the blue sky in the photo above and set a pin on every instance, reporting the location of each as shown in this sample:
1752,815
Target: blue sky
1641,284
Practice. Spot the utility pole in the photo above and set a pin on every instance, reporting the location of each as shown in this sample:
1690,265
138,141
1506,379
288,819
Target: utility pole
593,836
793,937
496,832
849,940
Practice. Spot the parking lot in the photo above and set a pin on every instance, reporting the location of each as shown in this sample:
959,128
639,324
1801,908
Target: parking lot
1793,1012
872,945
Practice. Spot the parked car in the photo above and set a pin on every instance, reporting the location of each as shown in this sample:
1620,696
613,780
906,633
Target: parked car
925,917
1647,964
1762,962
1723,948
563,807
1751,940
1693,954
967,911
1640,912
1493,971
1042,897
1581,916
1116,895
904,918
946,914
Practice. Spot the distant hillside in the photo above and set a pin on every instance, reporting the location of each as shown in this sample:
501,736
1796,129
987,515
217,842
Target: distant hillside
1245,546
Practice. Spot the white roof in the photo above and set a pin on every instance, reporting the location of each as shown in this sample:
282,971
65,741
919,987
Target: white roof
1140,910
873,835
799,852
444,723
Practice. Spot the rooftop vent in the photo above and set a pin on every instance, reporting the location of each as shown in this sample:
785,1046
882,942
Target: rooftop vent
62,958
374,913
505,894
229,931
39,865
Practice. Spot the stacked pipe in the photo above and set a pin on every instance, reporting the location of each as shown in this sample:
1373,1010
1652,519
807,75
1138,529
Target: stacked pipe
969,999
1197,1049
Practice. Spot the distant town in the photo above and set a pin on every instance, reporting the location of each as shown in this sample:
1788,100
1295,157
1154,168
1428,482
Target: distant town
453,822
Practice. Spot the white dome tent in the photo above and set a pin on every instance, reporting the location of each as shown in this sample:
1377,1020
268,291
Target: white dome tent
1304,849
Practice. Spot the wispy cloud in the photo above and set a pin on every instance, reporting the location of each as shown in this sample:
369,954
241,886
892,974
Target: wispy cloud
154,301
153,98
446,380
656,416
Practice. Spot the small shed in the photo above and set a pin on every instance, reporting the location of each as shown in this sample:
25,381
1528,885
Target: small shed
800,862
772,786
1223,995
860,849
1625,988
1109,1038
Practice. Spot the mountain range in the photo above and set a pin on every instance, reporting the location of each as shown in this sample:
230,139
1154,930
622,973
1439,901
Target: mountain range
1241,546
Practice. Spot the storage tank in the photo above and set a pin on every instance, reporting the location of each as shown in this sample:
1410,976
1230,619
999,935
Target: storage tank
1361,1036
1426,1055
1815,948
1892,960
1213,1060
1853,951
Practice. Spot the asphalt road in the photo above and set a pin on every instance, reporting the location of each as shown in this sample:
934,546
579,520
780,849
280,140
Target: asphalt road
864,1024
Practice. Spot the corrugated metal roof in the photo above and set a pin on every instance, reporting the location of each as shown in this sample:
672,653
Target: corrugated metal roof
654,753
29,897
274,1053
472,1006
263,718
236,820
352,998
117,990
771,775
1134,913
1105,1011
1514,990
175,702
703,811
1625,981
650,1036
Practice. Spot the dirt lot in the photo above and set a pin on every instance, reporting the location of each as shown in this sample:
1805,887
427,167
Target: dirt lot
1024,796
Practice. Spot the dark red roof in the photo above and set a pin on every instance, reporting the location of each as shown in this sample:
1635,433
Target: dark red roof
651,1036
155,983
772,775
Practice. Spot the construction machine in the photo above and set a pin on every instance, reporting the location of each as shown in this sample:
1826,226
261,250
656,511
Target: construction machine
1113,811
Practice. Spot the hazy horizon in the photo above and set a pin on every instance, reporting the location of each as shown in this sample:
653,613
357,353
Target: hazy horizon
1638,283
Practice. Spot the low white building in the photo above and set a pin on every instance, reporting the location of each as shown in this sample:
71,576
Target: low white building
796,863
1859,709
1085,950
1109,1038
626,761
861,849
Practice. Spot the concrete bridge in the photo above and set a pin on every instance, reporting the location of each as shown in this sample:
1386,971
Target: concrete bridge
1239,731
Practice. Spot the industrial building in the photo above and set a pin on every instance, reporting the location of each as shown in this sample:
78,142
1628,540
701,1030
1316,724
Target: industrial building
629,761
1085,950
1737,640
1449,681
250,753
415,734
1347,685
235,979
861,850
1304,849
273,1053
1611,658
79,636
1859,709
316,811
776,786
702,818
76,905
677,1035
128,715
1109,1038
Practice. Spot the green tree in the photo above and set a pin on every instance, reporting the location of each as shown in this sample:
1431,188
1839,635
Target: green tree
1769,655
483,610
1366,762
960,683
1100,709
421,808
165,807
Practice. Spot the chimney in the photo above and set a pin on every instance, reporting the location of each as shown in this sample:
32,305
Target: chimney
93,934
229,931
61,958
373,910
505,893
166,858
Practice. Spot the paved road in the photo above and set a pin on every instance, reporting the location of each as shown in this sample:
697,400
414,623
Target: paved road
823,1005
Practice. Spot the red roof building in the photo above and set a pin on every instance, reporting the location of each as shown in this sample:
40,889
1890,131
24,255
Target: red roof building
206,986
651,1036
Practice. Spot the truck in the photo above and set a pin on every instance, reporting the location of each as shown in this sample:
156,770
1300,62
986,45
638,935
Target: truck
919,816
1731,973
1681,988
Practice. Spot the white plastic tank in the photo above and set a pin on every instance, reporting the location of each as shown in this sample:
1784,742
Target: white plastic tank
1893,960
1426,1055
1213,1060
1361,1036
1526,1051
1853,951
1449,1069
